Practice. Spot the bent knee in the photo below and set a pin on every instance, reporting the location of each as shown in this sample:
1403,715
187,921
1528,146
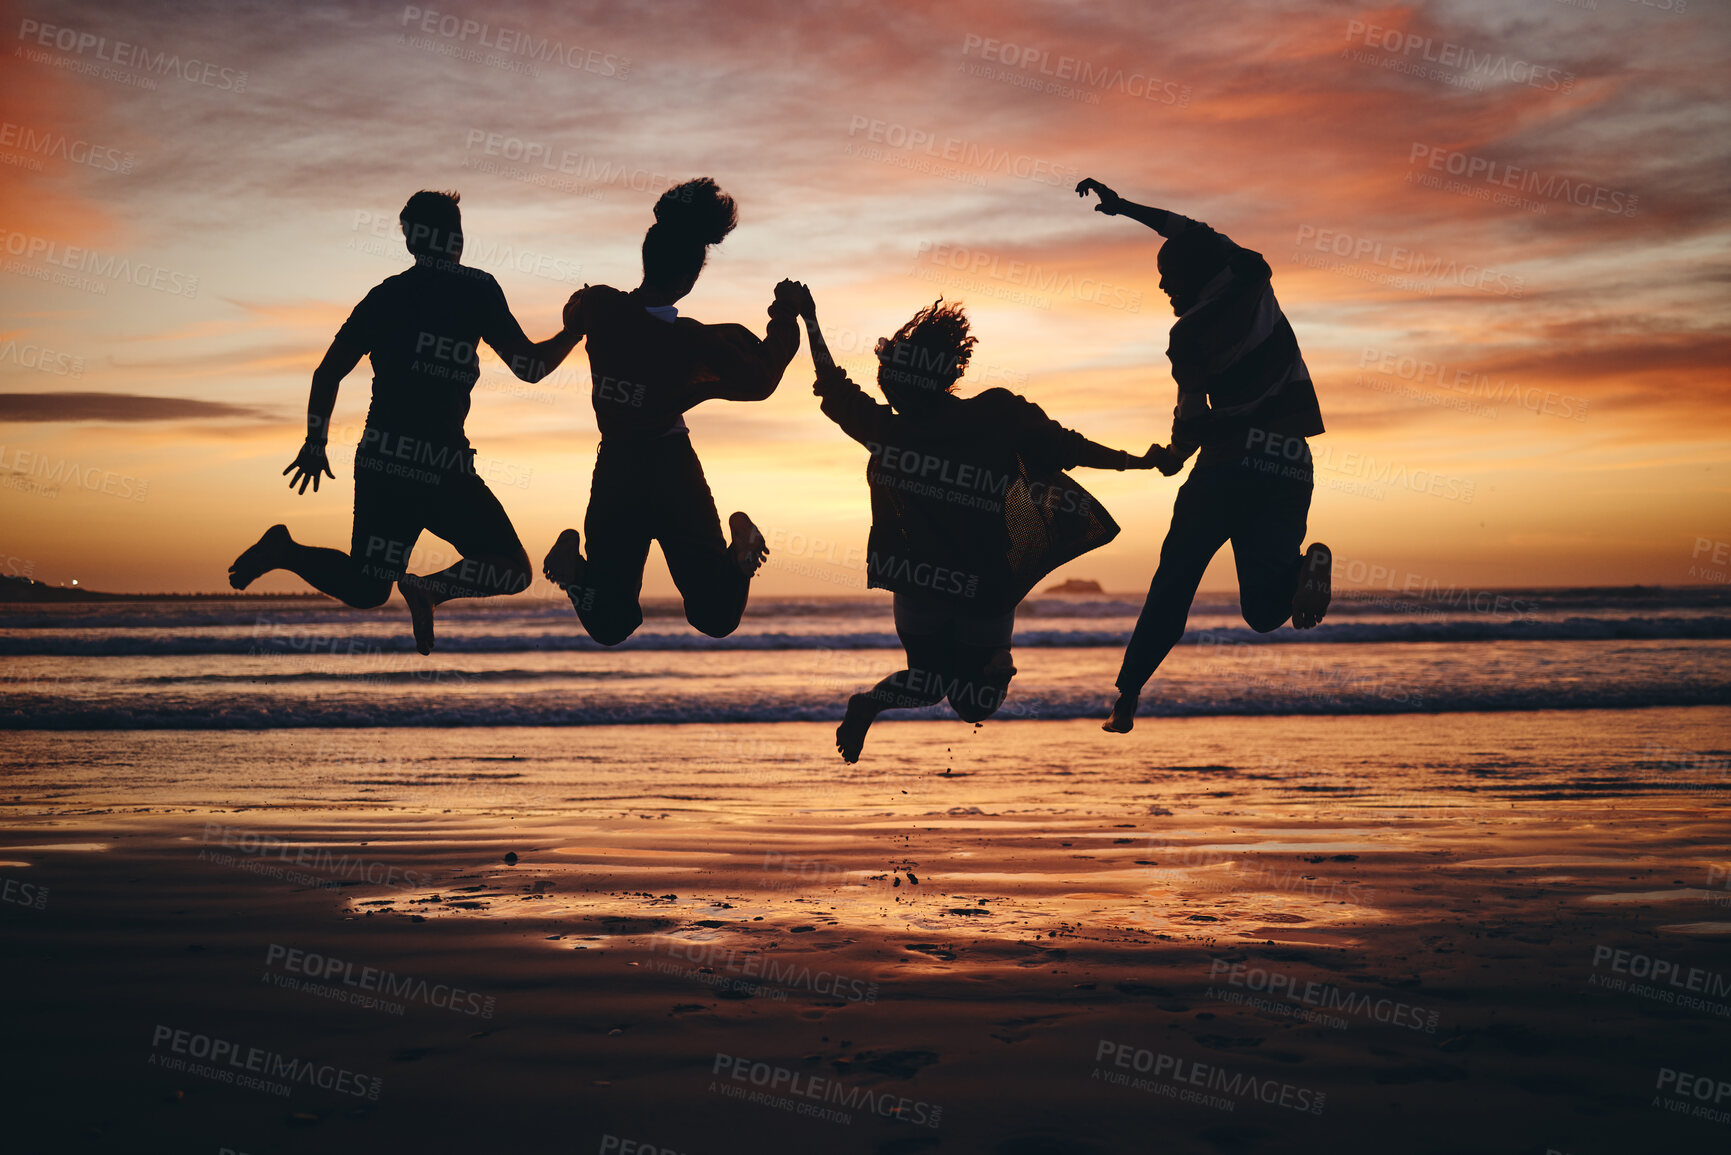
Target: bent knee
371,596
610,634
711,625
1266,619
975,711
978,706
516,574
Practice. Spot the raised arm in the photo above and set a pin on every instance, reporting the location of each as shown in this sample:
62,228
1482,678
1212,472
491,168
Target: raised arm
1162,221
743,367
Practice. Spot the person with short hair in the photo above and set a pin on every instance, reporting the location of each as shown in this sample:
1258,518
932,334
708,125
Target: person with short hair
1246,407
414,466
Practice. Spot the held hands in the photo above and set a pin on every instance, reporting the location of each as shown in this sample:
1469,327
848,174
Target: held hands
1109,200
827,377
796,294
1162,458
308,464
573,309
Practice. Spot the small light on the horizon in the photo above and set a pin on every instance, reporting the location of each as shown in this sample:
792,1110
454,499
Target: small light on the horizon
74,581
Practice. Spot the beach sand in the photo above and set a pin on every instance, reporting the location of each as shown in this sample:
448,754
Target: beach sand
1393,934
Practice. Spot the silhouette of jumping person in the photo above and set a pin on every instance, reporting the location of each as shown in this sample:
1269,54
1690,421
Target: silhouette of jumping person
414,466
1245,407
969,512
649,366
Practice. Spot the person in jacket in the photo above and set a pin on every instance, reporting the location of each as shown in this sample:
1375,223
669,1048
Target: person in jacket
1246,409
970,509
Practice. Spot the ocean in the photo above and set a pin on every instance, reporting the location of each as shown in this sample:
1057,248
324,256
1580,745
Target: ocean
262,663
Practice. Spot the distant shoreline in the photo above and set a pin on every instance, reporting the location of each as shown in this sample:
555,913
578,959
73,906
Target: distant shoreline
16,591
23,591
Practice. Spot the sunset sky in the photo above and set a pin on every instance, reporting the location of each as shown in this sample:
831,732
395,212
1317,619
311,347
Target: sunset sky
1524,373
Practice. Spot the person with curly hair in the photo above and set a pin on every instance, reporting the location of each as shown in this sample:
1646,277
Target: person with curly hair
648,367
970,510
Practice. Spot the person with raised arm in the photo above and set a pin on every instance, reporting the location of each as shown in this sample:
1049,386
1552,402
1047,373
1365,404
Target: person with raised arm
649,366
1246,407
414,466
970,510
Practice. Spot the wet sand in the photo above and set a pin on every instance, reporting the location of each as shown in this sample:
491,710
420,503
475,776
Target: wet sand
1439,934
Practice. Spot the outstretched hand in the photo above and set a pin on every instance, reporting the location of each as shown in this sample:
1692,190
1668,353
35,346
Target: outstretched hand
1109,200
308,464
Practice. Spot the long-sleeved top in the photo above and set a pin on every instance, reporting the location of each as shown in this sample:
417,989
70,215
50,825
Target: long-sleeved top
1233,352
646,371
968,501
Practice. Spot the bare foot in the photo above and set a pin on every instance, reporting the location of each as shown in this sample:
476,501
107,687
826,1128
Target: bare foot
1123,718
1315,588
850,735
420,612
264,556
564,563
748,549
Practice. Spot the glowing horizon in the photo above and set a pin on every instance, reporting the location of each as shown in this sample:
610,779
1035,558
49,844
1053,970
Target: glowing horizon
1523,375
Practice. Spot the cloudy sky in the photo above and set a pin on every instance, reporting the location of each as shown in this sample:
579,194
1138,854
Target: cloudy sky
1500,231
